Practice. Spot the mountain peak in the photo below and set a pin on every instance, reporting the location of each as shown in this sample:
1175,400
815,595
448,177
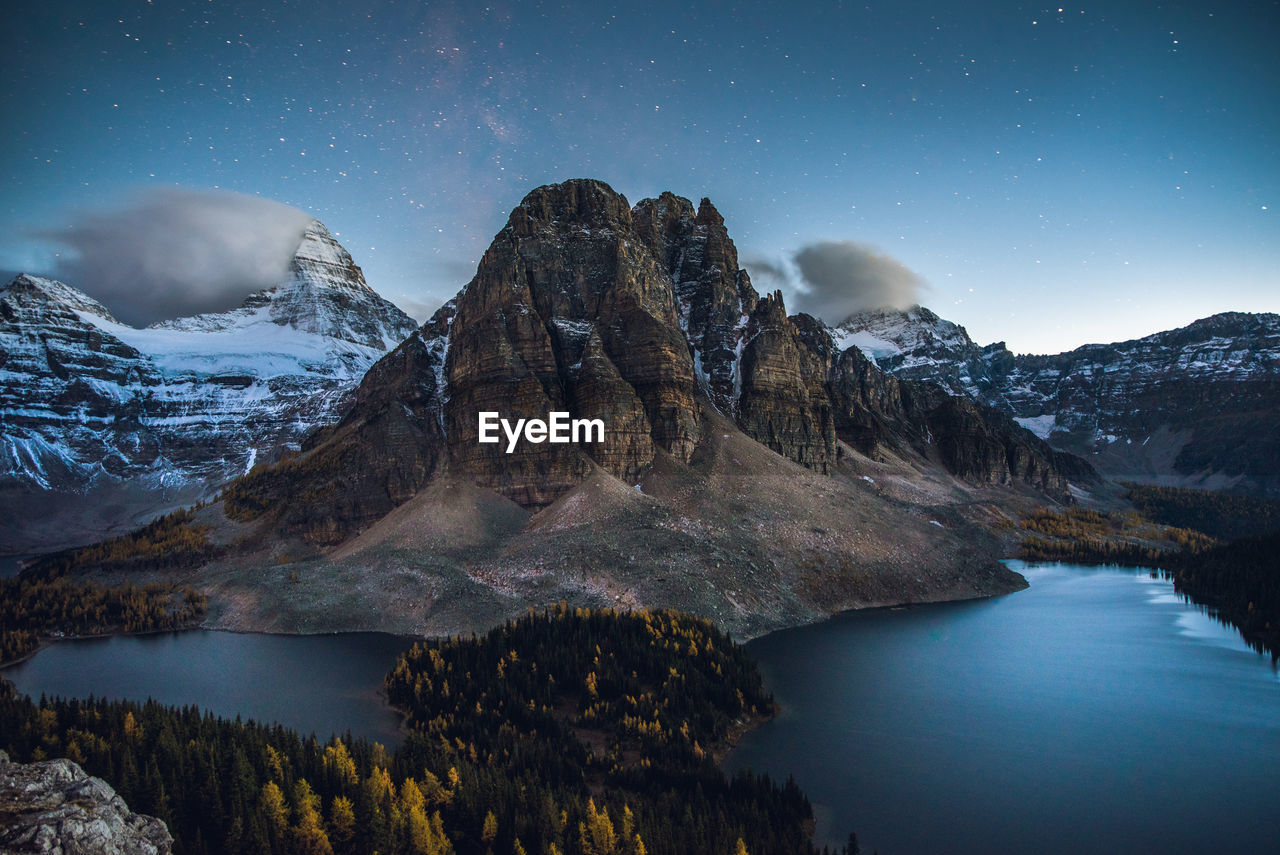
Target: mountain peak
641,319
708,215
30,290
123,419
585,201
905,338
321,261
327,295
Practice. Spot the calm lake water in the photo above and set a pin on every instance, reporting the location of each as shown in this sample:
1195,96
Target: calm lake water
1094,712
313,683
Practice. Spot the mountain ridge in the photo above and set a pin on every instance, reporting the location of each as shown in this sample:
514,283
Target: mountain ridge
758,467
1193,406
752,471
90,404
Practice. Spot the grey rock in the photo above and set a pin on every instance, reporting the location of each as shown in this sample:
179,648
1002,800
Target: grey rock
54,807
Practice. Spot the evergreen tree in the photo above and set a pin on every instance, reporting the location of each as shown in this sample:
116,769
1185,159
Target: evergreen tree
342,825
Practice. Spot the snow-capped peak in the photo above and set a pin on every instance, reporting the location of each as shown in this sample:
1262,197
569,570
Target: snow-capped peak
85,398
882,334
320,259
26,288
325,295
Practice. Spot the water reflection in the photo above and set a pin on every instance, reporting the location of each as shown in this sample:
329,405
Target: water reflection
312,683
1094,712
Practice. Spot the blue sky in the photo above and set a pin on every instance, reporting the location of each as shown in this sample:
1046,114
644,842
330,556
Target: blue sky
1054,176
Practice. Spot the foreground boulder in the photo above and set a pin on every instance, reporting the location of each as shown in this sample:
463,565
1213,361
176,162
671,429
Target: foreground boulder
55,807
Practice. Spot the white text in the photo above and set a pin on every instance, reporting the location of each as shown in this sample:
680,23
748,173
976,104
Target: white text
558,428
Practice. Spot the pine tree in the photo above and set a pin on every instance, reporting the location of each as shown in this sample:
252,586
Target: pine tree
272,805
342,825
309,837
339,765
596,835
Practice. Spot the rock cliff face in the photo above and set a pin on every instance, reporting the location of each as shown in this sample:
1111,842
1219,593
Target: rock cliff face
568,311
635,316
54,807
714,297
90,407
784,401
1194,405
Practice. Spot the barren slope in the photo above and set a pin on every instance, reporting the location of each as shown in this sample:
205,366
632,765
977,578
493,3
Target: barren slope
739,534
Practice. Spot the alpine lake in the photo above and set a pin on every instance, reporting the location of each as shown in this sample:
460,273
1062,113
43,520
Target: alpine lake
1096,711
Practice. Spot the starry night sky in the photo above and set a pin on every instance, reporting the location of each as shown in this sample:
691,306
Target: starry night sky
1054,176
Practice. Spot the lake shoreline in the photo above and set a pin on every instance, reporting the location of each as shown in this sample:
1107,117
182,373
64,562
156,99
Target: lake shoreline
217,625
267,678
47,641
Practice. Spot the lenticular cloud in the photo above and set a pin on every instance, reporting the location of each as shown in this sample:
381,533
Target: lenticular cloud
176,252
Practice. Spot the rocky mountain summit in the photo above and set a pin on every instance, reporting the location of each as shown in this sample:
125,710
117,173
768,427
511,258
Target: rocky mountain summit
1193,406
639,317
54,807
133,419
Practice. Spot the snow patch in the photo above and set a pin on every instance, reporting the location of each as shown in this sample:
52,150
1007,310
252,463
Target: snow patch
573,329
872,346
1041,426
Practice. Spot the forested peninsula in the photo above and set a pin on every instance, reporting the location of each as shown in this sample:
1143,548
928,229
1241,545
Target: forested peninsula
569,732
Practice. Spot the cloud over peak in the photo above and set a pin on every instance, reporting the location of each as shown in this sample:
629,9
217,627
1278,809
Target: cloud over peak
835,279
175,252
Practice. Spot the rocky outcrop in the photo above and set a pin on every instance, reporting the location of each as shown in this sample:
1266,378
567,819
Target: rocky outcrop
784,401
1195,405
977,444
54,807
635,316
868,405
88,404
714,296
568,289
